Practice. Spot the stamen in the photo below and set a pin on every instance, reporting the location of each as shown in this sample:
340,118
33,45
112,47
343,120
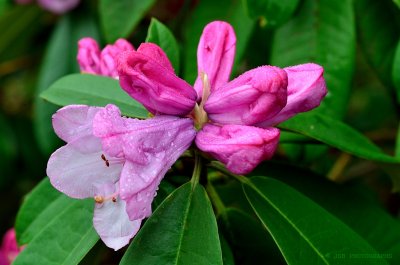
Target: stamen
99,199
103,157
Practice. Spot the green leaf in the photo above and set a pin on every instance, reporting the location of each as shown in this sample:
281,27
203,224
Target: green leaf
323,32
93,90
305,232
159,34
227,255
182,230
55,65
396,71
69,234
206,11
39,206
378,34
397,2
119,18
336,134
273,12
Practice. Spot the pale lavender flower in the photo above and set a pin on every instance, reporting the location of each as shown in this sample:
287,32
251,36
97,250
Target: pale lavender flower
97,162
224,111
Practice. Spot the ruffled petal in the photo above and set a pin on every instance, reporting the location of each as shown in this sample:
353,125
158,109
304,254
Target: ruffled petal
74,121
255,96
89,56
113,225
150,82
109,55
58,6
306,90
215,55
77,169
240,148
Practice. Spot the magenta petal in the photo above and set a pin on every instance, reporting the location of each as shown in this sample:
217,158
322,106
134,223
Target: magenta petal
215,54
255,96
113,225
240,148
58,6
74,121
108,64
156,53
154,85
78,171
306,89
89,56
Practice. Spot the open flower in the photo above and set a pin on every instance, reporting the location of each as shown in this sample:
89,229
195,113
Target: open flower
9,249
234,118
93,61
117,161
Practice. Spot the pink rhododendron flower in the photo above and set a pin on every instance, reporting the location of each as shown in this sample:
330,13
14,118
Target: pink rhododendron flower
93,61
54,6
9,249
235,117
116,161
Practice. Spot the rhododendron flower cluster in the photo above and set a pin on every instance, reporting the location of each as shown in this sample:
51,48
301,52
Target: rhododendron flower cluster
120,161
9,249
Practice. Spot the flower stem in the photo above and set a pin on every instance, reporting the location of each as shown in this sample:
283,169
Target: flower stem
219,166
219,206
197,169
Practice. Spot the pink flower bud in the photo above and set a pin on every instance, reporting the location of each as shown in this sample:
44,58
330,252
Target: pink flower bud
306,89
240,148
255,96
9,249
89,56
108,64
147,77
58,6
215,55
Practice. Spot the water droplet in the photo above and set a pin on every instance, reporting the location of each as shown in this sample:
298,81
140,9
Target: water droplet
139,197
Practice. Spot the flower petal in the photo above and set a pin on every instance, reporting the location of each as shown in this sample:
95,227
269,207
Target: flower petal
306,89
255,96
150,82
215,55
240,148
89,56
156,53
58,6
74,121
77,169
108,63
113,225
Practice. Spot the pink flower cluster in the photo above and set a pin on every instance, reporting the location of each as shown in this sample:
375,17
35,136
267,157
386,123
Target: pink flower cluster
9,249
54,6
120,161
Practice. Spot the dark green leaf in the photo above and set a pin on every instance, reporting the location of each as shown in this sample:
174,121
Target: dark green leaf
205,12
69,234
159,34
182,230
305,232
336,134
55,65
396,71
378,34
227,255
119,18
322,32
93,90
39,206
397,2
273,12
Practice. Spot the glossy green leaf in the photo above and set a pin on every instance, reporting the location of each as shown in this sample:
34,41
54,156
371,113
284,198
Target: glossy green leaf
337,134
305,232
119,18
397,2
69,234
182,230
322,32
55,65
92,90
39,206
159,34
272,12
378,34
205,12
396,71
